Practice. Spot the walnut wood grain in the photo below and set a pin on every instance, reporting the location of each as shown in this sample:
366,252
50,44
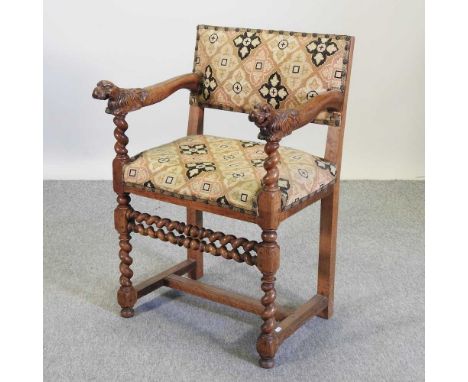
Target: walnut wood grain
268,253
329,206
295,320
147,286
127,294
221,296
121,153
276,124
195,218
123,101
196,119
193,237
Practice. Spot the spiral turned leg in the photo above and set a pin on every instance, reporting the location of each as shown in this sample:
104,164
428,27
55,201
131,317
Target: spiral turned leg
268,263
127,294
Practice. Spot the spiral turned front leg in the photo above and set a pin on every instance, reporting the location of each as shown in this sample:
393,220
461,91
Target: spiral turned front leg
127,294
268,254
267,342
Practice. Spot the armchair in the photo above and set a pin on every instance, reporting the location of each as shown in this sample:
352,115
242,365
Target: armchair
284,81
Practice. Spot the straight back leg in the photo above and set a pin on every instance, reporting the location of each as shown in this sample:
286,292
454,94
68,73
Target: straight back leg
195,217
327,249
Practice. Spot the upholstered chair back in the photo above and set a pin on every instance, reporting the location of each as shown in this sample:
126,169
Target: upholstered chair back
245,67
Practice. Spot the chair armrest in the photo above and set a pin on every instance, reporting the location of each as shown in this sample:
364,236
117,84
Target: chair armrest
123,101
276,124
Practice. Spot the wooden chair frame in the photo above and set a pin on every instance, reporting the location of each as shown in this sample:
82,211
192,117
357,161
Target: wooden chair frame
278,323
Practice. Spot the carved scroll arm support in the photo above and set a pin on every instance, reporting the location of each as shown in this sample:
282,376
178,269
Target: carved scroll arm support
122,101
276,124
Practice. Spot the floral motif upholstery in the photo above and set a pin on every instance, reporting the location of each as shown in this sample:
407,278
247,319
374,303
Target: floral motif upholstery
227,172
244,67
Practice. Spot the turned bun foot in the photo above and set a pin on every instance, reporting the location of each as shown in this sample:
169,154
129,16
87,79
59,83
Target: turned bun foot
266,363
127,312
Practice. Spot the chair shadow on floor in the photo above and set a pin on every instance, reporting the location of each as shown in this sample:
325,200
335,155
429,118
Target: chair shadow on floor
243,347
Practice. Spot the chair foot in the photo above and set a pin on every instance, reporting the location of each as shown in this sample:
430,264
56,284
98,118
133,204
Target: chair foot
127,312
267,346
268,263
266,363
127,298
327,313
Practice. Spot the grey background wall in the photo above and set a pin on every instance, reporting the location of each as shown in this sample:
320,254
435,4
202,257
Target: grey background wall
139,43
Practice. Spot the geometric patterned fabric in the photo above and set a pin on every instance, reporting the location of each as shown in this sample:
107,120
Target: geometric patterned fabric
245,67
225,172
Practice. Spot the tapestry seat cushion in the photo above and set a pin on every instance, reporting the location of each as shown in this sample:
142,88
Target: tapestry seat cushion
225,172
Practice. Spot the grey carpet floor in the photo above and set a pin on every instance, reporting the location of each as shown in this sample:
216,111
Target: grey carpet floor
376,334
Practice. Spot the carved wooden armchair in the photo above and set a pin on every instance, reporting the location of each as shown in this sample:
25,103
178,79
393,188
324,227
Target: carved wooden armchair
284,80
